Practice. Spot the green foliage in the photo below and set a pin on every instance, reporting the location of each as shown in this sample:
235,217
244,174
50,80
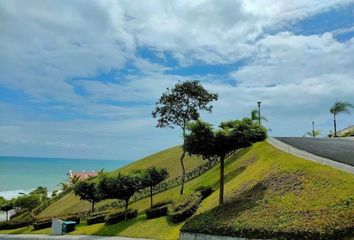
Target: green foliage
27,201
120,216
341,107
42,224
121,187
255,116
202,140
157,210
99,218
180,105
6,206
87,190
184,207
14,224
204,191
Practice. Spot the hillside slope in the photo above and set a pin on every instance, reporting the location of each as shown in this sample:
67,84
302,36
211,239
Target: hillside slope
266,190
168,159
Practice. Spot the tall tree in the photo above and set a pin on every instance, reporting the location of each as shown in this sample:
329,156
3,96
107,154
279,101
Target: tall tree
120,187
202,140
87,190
180,105
151,177
339,107
6,206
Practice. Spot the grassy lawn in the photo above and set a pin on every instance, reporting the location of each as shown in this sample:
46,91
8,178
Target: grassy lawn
266,189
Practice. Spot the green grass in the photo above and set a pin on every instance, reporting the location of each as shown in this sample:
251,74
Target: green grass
265,189
168,159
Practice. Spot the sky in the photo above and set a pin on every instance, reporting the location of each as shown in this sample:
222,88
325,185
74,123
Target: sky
79,79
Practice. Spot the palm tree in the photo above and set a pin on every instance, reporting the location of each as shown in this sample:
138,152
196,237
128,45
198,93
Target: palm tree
74,179
339,107
255,116
313,133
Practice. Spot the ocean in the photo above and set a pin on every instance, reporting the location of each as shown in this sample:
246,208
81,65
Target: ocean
23,174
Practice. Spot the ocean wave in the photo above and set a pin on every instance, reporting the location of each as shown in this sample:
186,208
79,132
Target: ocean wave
14,193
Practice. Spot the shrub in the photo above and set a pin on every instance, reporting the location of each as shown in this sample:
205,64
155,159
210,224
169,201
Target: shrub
46,223
120,216
204,191
13,224
156,212
184,207
98,218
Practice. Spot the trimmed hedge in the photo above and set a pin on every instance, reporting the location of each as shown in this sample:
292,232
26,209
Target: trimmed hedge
204,191
97,218
42,224
75,218
14,224
184,207
157,210
120,216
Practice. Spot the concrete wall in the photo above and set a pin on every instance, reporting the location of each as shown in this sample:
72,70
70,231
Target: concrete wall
198,236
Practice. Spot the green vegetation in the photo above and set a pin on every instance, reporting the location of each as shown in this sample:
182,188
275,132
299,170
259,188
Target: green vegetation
180,105
202,140
265,188
87,190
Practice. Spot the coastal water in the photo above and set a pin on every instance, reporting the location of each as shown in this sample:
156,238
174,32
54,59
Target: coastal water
23,174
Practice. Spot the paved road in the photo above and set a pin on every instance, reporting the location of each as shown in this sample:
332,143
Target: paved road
309,156
62,237
339,150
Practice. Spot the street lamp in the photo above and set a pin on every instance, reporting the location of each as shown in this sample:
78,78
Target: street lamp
259,113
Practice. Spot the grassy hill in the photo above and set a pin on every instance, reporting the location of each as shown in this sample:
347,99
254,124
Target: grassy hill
169,159
266,190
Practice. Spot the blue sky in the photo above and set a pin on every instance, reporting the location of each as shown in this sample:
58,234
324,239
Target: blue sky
79,79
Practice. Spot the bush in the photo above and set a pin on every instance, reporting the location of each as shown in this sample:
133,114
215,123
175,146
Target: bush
204,191
46,223
184,207
156,212
97,218
120,216
13,224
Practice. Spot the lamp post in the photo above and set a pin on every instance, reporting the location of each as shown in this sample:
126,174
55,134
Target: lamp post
259,113
313,129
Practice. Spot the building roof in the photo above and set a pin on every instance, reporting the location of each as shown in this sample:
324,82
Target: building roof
82,175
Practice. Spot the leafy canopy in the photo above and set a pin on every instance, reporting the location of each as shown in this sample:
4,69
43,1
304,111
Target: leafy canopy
203,140
152,176
87,190
340,107
179,105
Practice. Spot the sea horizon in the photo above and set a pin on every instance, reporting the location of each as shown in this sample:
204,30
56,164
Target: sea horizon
20,174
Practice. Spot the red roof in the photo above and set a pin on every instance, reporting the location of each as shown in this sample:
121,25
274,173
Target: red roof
82,175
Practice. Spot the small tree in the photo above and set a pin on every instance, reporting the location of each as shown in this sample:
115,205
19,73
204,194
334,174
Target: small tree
87,190
120,187
42,192
339,107
27,201
6,206
180,105
151,177
255,116
202,140
74,179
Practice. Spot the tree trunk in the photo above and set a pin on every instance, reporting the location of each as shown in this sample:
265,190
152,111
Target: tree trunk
221,193
335,125
150,196
183,172
93,207
126,210
7,216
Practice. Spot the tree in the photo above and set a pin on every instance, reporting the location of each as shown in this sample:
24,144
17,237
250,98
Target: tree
120,187
151,177
87,190
6,206
27,201
64,186
202,140
313,133
255,116
74,179
42,192
339,107
180,105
